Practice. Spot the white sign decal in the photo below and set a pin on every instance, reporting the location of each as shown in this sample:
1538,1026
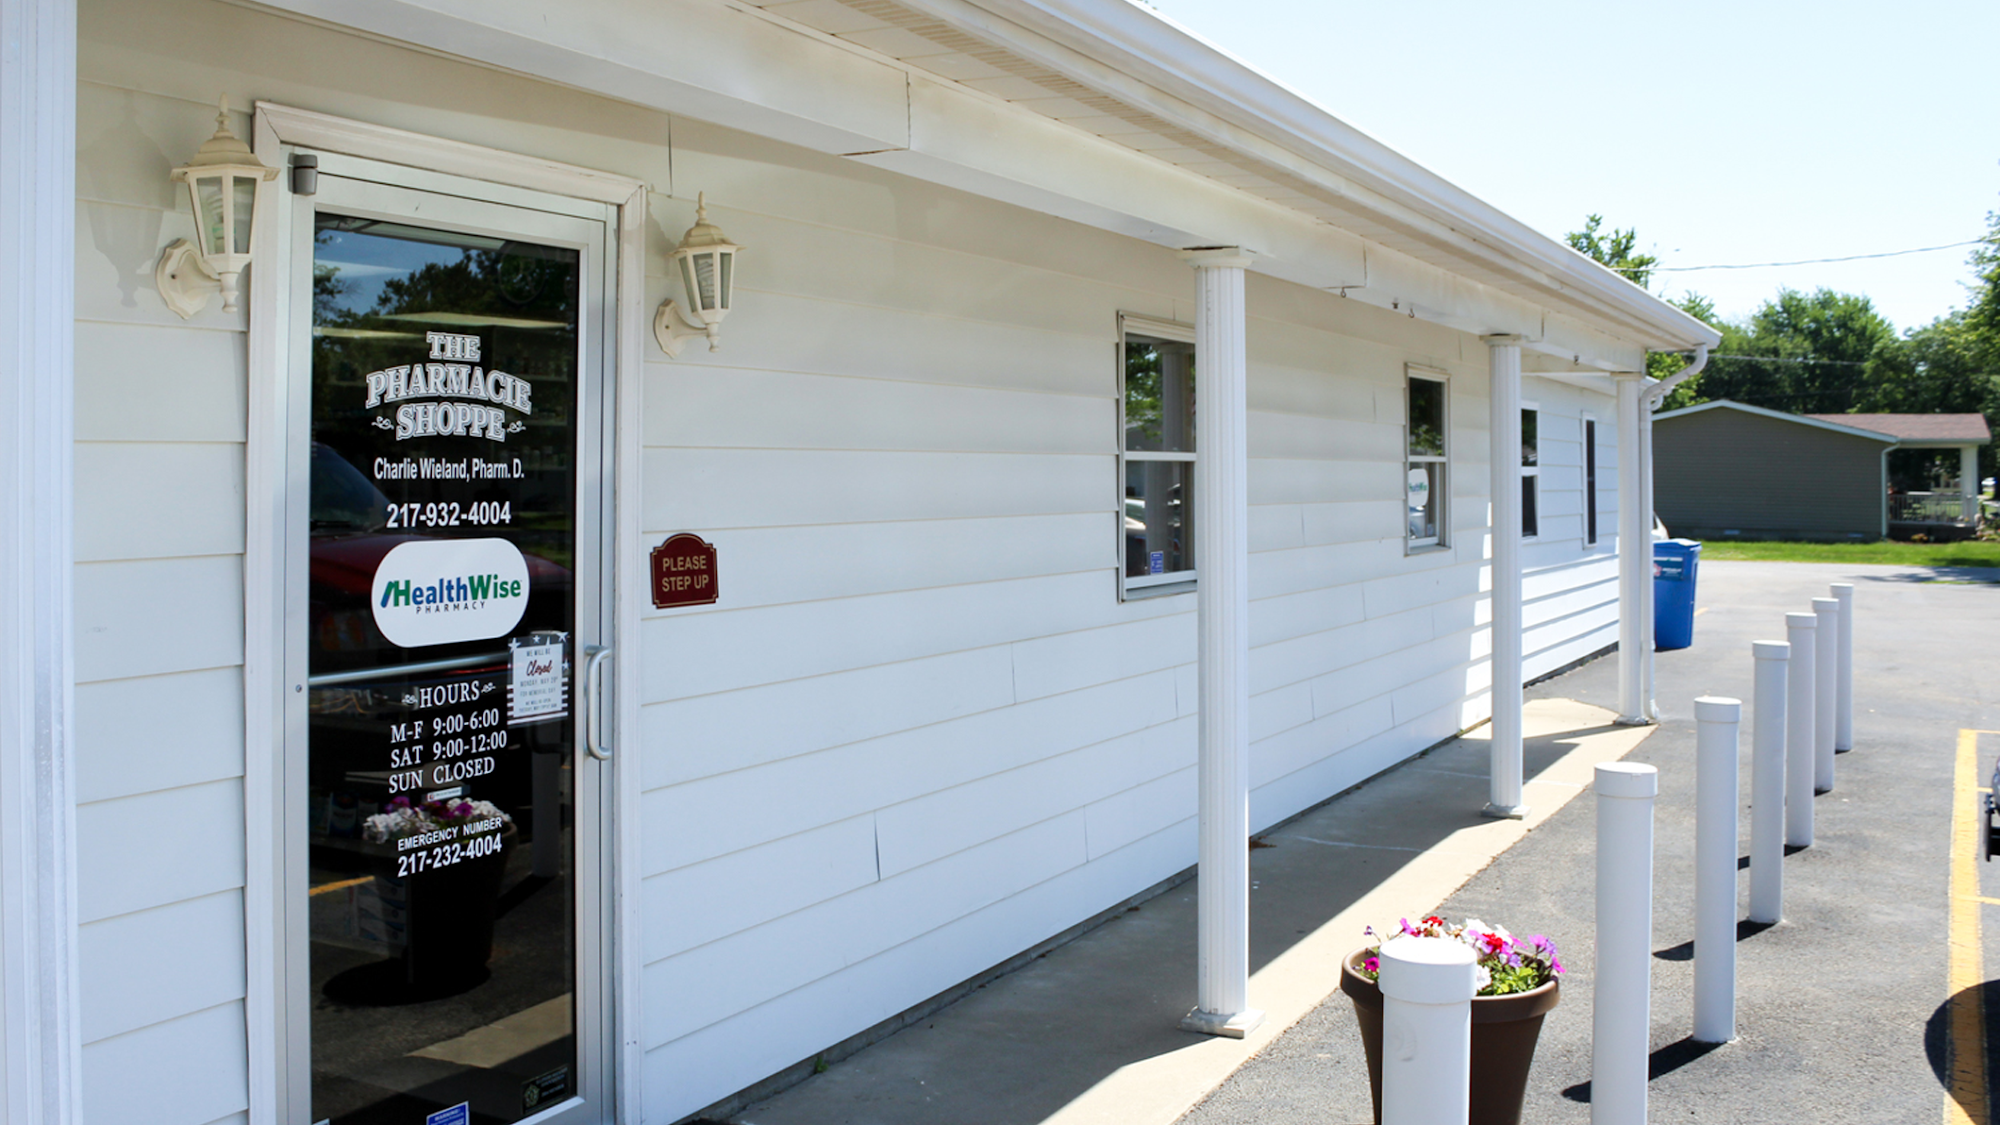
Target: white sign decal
436,591
465,388
1420,489
537,689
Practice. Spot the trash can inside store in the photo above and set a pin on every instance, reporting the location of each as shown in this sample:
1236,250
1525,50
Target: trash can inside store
1674,563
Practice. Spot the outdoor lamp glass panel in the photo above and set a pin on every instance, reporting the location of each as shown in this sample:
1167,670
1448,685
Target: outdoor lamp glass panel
707,259
245,202
206,193
222,181
706,262
688,282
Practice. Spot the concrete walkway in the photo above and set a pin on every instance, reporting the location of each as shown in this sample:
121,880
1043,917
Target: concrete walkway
1865,1003
1860,1006
1087,1033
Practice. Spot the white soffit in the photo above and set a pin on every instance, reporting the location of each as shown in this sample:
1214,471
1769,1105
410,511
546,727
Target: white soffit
1088,88
1331,207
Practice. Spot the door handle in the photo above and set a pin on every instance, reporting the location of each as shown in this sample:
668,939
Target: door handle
593,679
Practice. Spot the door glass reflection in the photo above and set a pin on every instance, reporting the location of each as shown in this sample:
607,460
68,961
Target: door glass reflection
441,625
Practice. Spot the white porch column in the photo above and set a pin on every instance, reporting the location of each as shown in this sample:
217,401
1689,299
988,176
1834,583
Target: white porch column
1968,480
1635,551
1222,606
40,1048
1504,764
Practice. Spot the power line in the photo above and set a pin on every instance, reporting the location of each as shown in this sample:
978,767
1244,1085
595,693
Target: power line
1782,359
1803,262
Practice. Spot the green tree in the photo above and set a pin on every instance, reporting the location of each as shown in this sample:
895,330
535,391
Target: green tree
1613,249
1954,361
1807,353
1831,353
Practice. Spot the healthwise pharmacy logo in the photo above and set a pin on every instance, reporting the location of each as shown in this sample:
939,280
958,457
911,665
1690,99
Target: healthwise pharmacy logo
437,591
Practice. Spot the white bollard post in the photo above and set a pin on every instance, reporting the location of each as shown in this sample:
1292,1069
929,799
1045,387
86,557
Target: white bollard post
1717,723
1427,986
1767,783
1826,658
1843,681
1622,1010
1800,630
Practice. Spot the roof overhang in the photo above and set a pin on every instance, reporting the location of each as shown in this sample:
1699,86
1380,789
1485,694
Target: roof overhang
1098,111
1797,419
1151,63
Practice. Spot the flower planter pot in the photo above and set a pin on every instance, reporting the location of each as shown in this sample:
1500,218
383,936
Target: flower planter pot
451,917
1504,1032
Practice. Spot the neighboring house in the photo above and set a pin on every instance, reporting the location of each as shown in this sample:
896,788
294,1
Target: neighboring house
1726,469
902,583
1916,504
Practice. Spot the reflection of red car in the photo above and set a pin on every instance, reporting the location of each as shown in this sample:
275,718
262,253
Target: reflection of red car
348,515
351,719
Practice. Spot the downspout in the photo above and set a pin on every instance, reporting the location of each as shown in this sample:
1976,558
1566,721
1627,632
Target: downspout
1636,401
1650,401
1657,393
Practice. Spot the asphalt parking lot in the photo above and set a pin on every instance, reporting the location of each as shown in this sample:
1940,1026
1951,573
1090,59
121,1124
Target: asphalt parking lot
1845,1009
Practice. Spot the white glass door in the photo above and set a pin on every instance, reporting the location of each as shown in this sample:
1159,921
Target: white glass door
446,859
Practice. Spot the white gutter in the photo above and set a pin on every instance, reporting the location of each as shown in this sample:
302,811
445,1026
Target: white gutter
1636,403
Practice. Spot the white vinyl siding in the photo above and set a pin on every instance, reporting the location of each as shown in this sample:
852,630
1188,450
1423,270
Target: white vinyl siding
1570,586
159,617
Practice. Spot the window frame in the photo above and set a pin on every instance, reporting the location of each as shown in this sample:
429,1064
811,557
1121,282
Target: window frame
1588,424
1531,477
1132,587
1441,492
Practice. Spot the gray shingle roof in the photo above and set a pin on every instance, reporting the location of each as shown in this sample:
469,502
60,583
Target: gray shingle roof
1916,427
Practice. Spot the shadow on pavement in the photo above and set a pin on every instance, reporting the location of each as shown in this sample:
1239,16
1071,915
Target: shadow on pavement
1920,574
1138,967
1745,928
1938,1048
1666,1060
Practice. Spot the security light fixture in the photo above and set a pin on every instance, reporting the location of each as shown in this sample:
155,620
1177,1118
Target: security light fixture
222,181
706,262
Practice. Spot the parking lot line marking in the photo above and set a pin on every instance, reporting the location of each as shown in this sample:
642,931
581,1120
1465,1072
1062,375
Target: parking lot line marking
1987,901
1965,1099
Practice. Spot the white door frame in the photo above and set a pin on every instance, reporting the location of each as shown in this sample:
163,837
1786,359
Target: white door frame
270,346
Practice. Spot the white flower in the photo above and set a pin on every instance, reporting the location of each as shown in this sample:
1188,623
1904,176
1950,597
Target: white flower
1481,977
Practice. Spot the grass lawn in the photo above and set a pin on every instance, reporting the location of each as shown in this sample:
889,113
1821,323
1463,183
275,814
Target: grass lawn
1972,553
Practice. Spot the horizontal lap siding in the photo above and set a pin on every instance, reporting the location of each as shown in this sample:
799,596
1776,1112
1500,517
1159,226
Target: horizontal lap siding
919,732
159,646
1355,640
1569,586
919,716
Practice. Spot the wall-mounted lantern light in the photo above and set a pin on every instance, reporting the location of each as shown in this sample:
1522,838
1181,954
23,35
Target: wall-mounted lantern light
222,181
706,261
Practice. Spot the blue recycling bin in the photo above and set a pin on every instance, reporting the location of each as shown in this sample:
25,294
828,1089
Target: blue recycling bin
1674,565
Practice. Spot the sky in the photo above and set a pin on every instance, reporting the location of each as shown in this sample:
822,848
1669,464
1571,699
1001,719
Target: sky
1741,132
